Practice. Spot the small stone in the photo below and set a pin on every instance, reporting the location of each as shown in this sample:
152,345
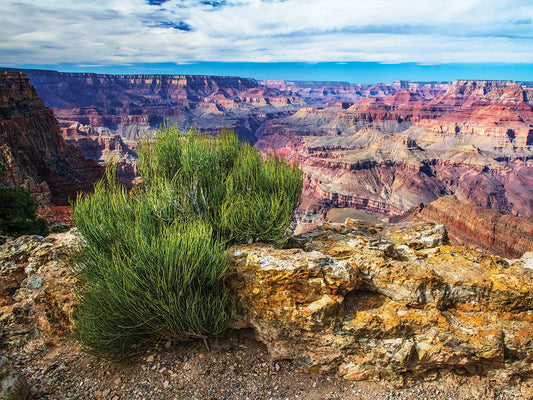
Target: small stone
165,384
34,283
106,392
115,398
150,359
200,356
117,382
13,386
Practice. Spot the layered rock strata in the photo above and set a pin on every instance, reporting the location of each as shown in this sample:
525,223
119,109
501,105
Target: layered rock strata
387,154
382,148
468,224
32,149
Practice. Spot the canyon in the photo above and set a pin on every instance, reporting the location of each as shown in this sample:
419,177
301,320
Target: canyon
432,166
384,148
32,150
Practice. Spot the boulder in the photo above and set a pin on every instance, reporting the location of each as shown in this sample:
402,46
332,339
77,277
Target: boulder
394,303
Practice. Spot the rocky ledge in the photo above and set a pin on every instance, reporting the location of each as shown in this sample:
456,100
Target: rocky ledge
394,303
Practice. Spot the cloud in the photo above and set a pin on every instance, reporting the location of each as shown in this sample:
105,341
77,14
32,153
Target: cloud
114,31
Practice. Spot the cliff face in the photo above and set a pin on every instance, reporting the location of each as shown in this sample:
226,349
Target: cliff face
389,153
132,106
383,148
32,149
468,224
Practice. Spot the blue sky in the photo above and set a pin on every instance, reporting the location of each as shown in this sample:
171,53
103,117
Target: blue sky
349,40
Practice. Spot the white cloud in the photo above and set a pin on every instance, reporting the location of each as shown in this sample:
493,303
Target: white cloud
117,31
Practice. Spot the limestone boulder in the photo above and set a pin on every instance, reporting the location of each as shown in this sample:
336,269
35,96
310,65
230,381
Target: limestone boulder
396,303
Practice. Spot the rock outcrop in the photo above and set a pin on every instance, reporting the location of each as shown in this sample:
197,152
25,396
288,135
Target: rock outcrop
390,302
32,149
37,288
387,303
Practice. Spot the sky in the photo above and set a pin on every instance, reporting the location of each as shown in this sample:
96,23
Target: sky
348,40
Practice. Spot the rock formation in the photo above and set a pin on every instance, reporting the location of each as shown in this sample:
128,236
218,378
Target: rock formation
382,148
133,106
37,288
32,149
387,154
389,303
392,302
468,224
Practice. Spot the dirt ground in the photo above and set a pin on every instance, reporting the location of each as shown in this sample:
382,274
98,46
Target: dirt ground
234,367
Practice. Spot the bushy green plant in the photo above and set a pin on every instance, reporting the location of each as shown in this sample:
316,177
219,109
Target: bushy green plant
17,214
238,192
155,263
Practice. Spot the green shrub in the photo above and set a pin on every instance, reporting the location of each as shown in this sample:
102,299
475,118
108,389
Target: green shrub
155,264
17,214
59,228
232,187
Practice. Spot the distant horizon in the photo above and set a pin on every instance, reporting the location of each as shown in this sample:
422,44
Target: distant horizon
350,72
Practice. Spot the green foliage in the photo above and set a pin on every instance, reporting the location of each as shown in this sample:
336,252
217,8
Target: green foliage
17,214
156,263
240,194
59,228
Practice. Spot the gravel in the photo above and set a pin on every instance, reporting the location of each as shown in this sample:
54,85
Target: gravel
235,367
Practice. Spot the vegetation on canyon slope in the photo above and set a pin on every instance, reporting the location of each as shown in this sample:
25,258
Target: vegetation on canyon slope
17,212
155,263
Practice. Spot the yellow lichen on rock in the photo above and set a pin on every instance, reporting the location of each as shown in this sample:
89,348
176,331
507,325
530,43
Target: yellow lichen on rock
387,303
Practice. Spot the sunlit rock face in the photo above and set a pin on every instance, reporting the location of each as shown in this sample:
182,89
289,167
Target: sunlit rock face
368,302
468,224
389,153
394,303
32,149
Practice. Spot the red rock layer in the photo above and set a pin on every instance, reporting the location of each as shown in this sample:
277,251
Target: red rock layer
32,149
468,224
134,105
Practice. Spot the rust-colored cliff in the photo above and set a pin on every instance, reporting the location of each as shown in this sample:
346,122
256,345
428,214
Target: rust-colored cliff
471,225
384,148
32,149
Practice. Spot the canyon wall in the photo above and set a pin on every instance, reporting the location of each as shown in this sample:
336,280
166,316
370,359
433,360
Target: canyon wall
389,153
32,149
383,148
471,225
